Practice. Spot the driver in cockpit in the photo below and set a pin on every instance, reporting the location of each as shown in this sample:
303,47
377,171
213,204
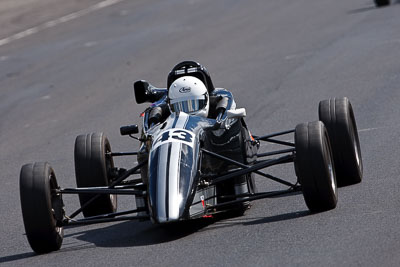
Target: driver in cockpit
190,90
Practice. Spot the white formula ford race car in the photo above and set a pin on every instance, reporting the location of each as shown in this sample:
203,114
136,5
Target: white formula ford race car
187,171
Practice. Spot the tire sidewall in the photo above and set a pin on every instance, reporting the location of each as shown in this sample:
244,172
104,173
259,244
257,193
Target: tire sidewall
314,166
338,116
92,167
36,182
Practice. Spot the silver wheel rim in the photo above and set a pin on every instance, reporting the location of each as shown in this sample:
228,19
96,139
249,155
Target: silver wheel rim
332,177
356,151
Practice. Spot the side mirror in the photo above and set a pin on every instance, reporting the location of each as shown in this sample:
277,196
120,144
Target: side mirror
142,91
145,92
236,113
129,129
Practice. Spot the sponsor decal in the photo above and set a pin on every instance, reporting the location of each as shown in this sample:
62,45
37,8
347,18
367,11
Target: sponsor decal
185,90
202,201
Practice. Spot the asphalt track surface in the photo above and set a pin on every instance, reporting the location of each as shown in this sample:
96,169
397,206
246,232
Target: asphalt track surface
279,58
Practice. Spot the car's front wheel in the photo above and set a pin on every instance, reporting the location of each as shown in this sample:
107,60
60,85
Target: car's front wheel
42,207
314,166
93,168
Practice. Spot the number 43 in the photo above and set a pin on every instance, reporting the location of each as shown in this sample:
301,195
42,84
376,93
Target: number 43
180,135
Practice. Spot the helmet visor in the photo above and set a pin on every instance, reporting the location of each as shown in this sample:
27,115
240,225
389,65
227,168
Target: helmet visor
188,105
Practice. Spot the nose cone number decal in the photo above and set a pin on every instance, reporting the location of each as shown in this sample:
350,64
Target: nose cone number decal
174,135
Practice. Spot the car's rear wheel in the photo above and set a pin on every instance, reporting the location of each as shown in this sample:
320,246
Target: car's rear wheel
381,3
314,166
42,208
93,168
338,116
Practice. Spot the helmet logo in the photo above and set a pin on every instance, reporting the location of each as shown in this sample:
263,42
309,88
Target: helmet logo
185,90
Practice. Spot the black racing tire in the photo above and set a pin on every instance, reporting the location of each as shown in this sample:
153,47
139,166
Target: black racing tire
382,3
227,188
314,165
42,208
93,167
241,208
338,116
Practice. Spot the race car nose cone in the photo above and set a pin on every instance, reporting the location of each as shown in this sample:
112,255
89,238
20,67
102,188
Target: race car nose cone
172,170
171,212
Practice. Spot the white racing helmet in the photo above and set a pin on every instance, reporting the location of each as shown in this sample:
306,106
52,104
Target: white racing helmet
189,94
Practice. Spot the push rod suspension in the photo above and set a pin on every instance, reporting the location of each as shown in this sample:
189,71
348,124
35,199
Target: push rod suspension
119,154
267,154
127,174
276,193
246,167
267,138
112,185
256,167
100,190
255,197
273,135
115,214
279,142
70,221
104,220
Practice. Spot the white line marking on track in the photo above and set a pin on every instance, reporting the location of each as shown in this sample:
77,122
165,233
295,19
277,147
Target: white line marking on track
369,129
53,23
90,44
